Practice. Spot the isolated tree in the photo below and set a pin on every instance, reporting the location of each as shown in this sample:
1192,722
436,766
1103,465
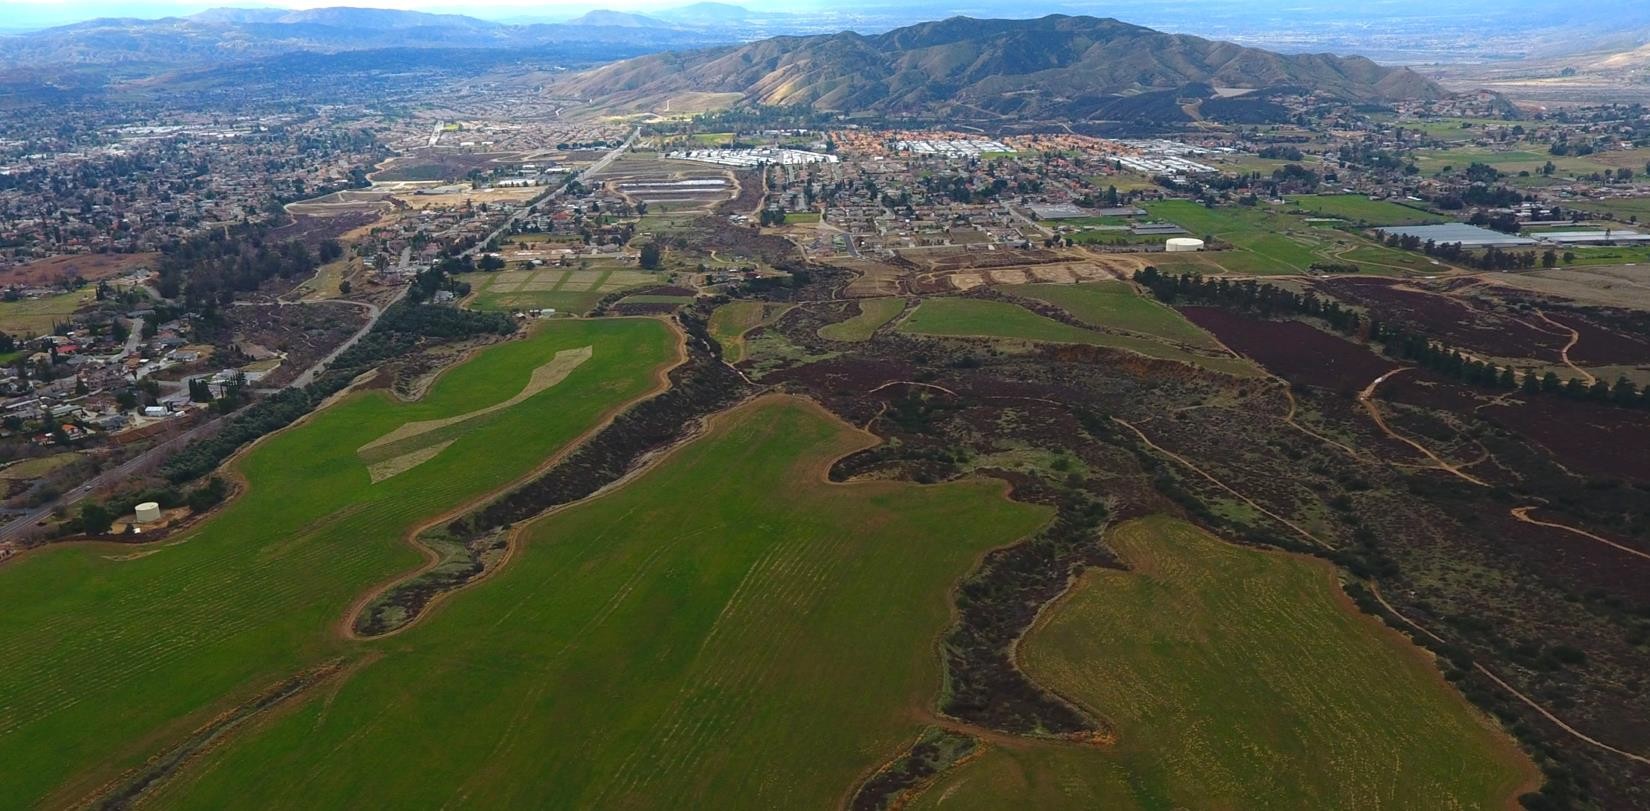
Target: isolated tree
651,255
95,519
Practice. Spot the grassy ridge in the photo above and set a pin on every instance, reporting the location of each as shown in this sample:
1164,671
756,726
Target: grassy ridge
981,318
1116,305
113,653
674,640
1237,678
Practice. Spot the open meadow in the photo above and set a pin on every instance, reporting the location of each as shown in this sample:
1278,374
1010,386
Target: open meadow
1237,678
1117,306
117,653
672,640
979,318
38,316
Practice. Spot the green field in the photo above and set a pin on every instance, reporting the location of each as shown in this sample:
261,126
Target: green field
1360,210
873,313
1235,678
979,318
570,291
731,321
114,654
1116,305
1266,241
37,316
801,217
670,642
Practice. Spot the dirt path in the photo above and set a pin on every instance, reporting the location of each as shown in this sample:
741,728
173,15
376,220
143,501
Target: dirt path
1523,514
1367,397
1222,485
912,383
1564,354
1545,713
432,558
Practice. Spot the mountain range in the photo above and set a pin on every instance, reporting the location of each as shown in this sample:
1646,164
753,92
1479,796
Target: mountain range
226,35
1053,66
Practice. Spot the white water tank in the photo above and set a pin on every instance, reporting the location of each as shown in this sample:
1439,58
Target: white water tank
147,513
1183,245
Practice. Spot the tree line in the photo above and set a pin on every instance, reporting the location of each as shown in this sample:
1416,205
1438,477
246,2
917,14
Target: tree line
1269,300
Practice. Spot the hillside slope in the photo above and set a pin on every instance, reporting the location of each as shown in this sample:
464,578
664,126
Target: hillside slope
1053,65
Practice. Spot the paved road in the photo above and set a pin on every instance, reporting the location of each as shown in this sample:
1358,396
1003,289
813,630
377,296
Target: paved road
594,168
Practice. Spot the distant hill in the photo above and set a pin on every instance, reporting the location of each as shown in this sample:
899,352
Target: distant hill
710,14
227,35
618,19
1053,66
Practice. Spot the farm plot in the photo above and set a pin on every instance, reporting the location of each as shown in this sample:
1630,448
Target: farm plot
115,654
1303,703
670,641
1116,305
977,318
572,292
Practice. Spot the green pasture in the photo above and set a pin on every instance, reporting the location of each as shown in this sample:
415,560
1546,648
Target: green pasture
1360,210
873,313
1236,678
675,643
981,318
116,653
37,316
1116,305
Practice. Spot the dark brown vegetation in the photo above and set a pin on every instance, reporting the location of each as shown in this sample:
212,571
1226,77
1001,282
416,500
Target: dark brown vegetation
1451,320
1294,350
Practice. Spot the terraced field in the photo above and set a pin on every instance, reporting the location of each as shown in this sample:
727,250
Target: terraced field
115,653
980,318
1236,678
674,640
